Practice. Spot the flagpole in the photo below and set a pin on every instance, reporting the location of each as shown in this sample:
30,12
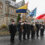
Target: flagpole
27,7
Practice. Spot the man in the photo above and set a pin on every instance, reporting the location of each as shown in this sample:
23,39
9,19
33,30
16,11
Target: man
38,27
28,31
20,30
25,30
12,30
42,30
32,31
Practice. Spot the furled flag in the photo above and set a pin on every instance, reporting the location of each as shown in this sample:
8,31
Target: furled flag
22,9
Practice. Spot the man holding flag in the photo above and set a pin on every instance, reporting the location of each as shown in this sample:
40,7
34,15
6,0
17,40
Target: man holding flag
21,10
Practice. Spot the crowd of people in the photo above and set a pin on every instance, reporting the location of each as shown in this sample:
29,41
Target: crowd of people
26,28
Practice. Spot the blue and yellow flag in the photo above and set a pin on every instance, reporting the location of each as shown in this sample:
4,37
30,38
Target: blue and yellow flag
22,9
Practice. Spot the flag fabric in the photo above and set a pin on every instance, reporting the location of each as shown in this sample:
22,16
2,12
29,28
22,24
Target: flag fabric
22,9
41,16
33,13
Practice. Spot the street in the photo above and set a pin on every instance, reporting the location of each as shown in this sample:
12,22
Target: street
24,19
5,40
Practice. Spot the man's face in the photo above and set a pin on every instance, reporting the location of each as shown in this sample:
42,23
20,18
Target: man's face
13,22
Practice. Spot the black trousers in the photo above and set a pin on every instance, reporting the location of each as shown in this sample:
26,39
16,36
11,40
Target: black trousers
24,34
28,34
32,34
37,32
42,32
12,36
20,35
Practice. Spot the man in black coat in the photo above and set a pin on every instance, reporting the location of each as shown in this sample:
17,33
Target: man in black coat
19,30
12,30
28,30
42,30
25,30
32,31
38,27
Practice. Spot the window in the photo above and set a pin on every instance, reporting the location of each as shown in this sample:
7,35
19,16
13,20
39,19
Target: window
6,9
1,8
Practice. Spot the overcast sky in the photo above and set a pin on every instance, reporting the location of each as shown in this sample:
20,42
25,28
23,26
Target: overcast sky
39,4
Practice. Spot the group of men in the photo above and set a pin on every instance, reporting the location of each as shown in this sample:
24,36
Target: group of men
25,29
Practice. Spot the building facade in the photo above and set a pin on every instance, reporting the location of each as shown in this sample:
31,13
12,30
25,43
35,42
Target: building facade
2,11
8,10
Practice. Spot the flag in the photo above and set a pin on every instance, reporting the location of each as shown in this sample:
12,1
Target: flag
33,13
22,9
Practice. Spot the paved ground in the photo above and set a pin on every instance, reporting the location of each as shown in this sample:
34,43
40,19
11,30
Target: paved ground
5,40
